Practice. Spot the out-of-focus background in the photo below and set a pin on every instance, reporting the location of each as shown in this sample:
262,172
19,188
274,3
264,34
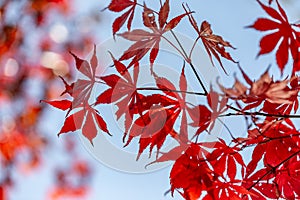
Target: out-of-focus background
35,40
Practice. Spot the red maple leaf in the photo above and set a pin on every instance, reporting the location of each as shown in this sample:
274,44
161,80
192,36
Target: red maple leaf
282,35
119,6
214,44
159,114
81,89
274,141
154,125
87,119
149,41
277,146
277,96
226,158
122,91
203,116
191,173
86,68
288,179
265,189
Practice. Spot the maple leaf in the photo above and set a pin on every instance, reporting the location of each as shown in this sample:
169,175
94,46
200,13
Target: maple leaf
153,127
73,122
87,119
93,119
288,179
266,90
191,173
158,116
122,89
273,142
86,68
283,35
227,190
265,189
119,6
204,116
81,89
223,155
149,41
276,144
123,92
214,44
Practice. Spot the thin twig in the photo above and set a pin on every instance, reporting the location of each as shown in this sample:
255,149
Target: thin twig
198,78
168,90
240,112
182,52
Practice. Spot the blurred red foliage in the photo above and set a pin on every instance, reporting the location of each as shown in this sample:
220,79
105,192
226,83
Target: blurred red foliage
34,34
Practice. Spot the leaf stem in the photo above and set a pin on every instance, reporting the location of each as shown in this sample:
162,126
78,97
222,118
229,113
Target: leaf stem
180,45
176,48
193,47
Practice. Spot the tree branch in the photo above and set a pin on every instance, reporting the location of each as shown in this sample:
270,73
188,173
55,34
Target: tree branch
240,112
176,91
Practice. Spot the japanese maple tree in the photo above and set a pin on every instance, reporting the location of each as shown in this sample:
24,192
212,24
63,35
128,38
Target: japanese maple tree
201,169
